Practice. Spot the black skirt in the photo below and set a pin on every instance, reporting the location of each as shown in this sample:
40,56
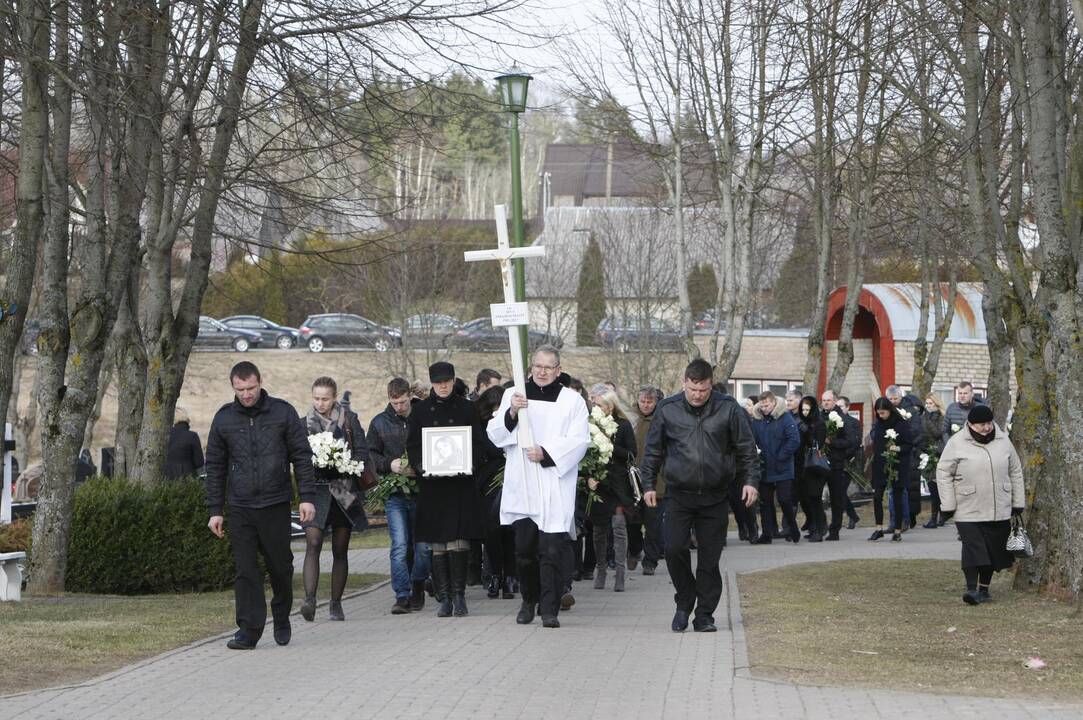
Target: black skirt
985,543
330,514
449,508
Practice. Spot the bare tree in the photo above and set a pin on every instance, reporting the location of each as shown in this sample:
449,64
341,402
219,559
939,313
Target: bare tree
873,120
30,46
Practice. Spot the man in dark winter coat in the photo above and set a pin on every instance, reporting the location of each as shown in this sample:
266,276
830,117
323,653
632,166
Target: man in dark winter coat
778,439
911,408
956,414
184,455
387,445
252,442
701,439
842,438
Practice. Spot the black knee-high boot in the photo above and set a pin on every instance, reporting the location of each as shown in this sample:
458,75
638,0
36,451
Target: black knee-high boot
441,580
459,562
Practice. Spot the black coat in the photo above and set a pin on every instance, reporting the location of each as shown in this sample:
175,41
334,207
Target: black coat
841,447
488,466
700,452
616,491
813,432
448,508
386,439
250,451
184,454
905,441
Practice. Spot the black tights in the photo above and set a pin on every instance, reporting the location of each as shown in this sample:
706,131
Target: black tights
981,575
340,566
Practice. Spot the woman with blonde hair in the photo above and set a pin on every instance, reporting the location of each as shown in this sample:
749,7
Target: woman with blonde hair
616,506
339,505
933,425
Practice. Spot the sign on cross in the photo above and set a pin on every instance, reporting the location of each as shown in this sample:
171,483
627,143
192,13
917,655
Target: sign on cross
511,314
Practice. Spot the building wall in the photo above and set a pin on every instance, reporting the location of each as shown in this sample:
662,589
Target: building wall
959,361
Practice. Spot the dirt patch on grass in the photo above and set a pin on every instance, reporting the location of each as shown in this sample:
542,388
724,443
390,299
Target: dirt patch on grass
50,641
901,624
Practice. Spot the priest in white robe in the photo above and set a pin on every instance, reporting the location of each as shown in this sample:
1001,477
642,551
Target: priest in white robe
538,498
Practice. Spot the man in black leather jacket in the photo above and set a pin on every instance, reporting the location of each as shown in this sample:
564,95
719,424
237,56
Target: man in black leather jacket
701,439
251,444
840,447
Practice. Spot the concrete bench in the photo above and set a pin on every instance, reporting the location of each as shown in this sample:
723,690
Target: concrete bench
11,576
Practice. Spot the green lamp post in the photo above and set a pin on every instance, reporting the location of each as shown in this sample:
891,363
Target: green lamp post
513,88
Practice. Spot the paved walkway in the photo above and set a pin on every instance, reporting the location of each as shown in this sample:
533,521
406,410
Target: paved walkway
614,657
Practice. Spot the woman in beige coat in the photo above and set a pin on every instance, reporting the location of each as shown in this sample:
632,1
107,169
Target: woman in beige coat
981,483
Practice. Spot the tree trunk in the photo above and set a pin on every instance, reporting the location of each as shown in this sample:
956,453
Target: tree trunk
1057,511
927,359
71,363
168,339
824,91
130,360
29,204
96,412
844,356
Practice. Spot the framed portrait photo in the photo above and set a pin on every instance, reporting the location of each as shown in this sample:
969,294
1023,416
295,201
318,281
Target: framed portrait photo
447,451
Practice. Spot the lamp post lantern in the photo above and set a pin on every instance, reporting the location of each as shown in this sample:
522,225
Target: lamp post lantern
513,92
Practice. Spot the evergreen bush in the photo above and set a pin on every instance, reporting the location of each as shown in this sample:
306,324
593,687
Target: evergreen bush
128,539
15,536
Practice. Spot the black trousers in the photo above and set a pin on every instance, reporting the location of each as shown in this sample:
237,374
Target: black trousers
544,561
743,515
653,544
635,539
704,589
768,519
814,501
837,485
253,532
500,551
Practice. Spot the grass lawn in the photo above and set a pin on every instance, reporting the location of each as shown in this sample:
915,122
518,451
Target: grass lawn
376,537
48,641
901,624
372,539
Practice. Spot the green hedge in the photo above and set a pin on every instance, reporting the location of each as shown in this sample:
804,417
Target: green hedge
15,537
133,539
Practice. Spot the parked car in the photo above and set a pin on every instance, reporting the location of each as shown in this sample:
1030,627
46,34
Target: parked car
427,330
272,333
343,330
214,335
704,324
628,334
480,335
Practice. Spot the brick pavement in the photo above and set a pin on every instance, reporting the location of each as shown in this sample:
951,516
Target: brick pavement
613,657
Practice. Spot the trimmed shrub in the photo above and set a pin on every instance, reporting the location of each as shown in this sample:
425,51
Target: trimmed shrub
131,539
15,537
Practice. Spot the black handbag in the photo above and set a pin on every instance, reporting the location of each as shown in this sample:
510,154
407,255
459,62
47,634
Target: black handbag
816,461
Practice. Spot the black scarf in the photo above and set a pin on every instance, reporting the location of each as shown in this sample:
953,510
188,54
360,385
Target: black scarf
982,439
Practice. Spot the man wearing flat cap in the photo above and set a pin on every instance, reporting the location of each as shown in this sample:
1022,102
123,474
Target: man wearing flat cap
449,511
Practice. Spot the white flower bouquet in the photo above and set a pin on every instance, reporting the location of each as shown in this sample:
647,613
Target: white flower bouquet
906,415
332,453
599,452
834,424
891,456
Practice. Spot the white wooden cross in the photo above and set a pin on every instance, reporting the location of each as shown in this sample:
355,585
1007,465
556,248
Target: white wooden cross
511,314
